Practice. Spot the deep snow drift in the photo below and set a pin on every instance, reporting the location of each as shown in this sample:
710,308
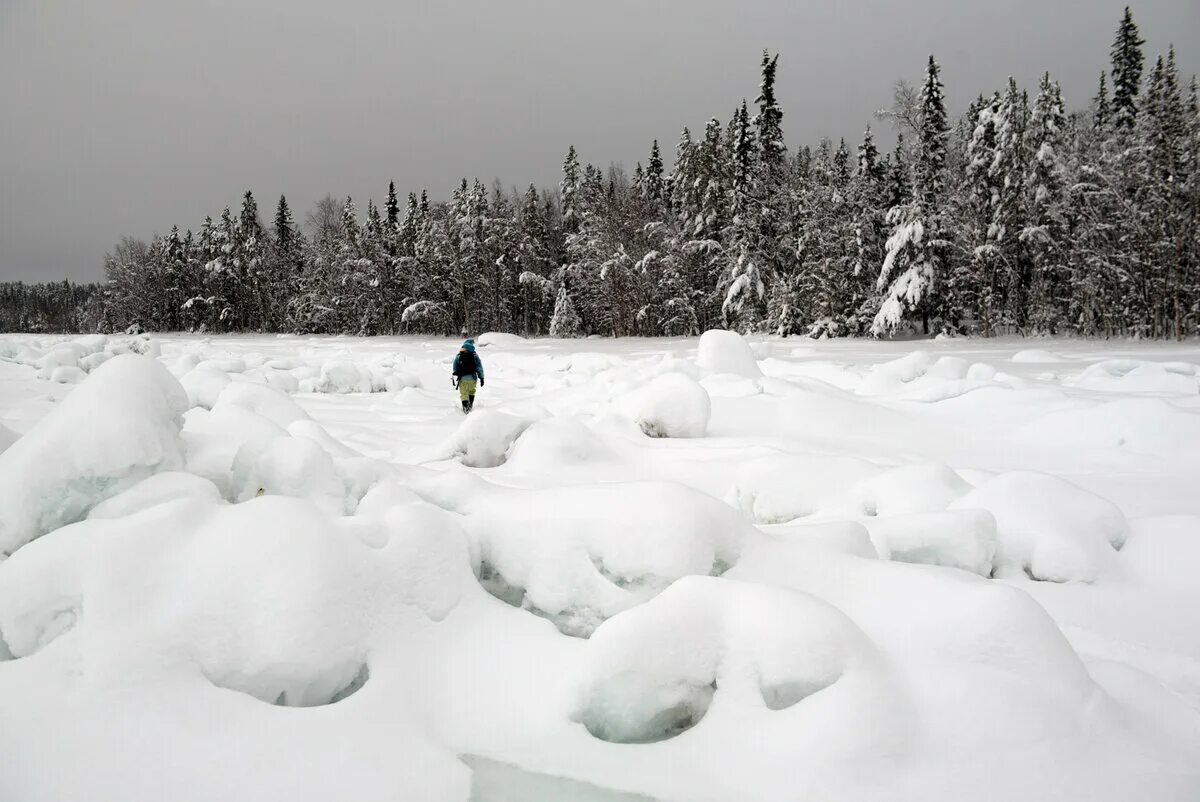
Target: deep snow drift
288,568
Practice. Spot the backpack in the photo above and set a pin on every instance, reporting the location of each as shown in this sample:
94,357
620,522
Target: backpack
466,364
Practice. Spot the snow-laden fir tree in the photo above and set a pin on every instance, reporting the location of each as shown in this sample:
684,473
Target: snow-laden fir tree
1126,72
565,321
916,250
1045,232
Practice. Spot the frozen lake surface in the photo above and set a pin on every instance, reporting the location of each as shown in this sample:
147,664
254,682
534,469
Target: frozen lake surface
260,567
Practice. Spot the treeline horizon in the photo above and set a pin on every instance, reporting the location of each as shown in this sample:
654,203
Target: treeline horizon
1018,217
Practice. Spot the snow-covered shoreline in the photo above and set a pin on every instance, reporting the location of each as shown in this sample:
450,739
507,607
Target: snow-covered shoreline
285,567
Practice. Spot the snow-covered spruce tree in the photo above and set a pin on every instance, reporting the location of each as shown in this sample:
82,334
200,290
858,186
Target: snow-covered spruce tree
655,188
916,250
286,268
565,321
569,189
745,289
1008,177
392,221
977,281
247,261
685,189
1045,232
868,196
1126,72
535,259
704,228
1101,110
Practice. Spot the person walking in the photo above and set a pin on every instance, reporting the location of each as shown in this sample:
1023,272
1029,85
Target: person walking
466,371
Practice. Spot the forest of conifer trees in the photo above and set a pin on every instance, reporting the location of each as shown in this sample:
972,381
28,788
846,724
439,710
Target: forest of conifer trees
1019,217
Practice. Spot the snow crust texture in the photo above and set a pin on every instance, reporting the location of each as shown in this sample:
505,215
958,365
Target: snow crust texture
290,568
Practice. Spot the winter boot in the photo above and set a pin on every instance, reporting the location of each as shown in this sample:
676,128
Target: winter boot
470,403
466,406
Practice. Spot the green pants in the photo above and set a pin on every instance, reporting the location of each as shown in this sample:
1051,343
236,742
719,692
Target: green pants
466,389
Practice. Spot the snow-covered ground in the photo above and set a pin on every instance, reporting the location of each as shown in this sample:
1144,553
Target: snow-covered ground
288,568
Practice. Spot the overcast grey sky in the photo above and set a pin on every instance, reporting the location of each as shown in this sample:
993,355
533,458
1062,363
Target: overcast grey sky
123,117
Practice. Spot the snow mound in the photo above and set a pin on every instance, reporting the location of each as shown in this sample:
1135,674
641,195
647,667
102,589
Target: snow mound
558,442
669,405
922,487
270,598
918,376
203,386
483,439
497,338
341,377
578,555
963,539
115,429
1047,527
653,671
272,404
1139,376
784,487
161,488
67,375
1035,356
287,466
1148,425
722,351
66,355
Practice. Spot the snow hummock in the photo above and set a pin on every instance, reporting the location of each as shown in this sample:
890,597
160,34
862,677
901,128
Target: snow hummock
548,551
1048,527
726,352
653,671
669,405
121,425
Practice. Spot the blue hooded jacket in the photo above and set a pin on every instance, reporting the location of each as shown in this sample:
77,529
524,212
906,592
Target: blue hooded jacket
469,345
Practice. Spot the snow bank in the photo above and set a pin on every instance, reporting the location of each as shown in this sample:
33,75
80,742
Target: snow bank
653,671
1047,527
726,352
578,555
669,405
115,429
